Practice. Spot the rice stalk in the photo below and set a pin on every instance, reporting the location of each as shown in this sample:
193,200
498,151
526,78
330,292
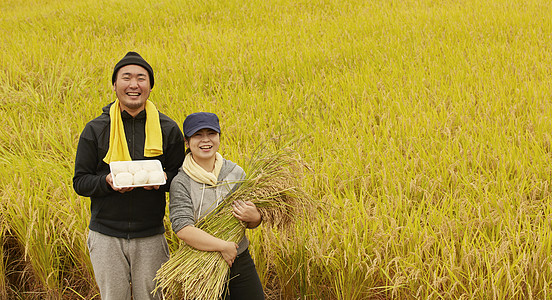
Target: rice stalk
270,185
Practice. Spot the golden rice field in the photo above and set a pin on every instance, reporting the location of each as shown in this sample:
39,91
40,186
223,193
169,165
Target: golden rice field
425,127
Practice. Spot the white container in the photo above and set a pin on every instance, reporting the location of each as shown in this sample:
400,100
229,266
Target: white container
131,167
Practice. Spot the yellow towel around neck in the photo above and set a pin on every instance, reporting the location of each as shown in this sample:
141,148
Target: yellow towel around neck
118,148
197,173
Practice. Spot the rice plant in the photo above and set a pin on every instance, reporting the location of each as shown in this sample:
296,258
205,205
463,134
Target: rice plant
425,126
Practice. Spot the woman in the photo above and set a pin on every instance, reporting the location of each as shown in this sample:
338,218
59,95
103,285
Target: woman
204,180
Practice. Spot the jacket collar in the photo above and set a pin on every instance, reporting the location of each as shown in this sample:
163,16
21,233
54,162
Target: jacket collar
124,114
140,115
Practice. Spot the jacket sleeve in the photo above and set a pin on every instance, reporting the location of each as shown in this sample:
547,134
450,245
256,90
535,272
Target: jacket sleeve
174,156
181,208
86,181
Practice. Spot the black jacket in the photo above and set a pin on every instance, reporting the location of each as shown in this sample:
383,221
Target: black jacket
134,214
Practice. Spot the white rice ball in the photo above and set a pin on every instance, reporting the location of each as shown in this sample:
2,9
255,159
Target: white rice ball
156,177
141,177
134,167
124,179
150,166
117,168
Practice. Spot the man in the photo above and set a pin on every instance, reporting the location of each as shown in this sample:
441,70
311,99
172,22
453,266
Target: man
126,240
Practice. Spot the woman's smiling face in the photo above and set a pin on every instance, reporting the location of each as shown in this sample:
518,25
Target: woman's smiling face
204,144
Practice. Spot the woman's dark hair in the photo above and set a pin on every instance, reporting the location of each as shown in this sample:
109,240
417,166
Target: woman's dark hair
187,138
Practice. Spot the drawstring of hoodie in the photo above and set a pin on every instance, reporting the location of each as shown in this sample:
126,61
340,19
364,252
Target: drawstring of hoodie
201,202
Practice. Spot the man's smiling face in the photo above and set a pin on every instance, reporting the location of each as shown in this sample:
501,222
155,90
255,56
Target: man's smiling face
132,87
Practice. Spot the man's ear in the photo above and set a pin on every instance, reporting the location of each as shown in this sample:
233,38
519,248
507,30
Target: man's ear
114,85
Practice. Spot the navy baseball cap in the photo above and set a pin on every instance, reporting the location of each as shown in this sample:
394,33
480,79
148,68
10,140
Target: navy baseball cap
200,120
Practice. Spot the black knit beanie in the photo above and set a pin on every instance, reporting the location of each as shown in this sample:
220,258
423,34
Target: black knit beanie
133,58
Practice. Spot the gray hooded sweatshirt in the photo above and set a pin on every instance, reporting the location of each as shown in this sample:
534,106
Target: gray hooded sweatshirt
190,200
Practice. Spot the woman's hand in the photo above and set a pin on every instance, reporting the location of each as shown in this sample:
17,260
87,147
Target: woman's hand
247,212
229,252
203,241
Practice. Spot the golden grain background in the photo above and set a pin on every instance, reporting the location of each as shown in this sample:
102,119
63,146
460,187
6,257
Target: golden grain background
425,127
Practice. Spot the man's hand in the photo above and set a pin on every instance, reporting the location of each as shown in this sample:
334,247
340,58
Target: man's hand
109,181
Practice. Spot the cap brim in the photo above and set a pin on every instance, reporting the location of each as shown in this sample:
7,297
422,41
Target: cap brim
190,132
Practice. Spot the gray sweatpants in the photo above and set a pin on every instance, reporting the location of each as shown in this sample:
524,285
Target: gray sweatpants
123,264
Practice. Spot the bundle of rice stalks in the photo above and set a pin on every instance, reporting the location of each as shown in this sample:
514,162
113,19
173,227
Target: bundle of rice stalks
271,185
